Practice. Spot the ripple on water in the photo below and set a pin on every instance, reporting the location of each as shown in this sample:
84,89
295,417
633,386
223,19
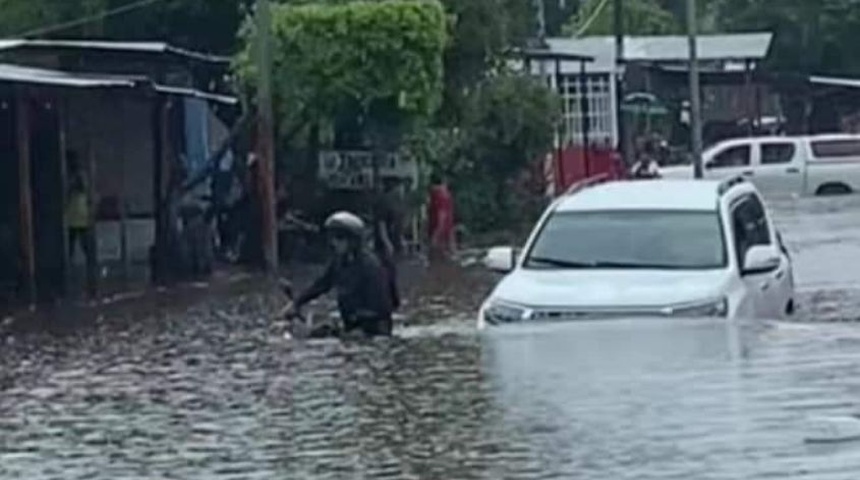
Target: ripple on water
608,402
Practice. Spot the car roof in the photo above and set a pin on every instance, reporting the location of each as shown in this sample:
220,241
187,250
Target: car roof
689,195
784,138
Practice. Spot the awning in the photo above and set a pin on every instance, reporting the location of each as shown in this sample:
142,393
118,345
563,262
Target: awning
188,92
124,47
18,74
835,81
10,73
665,48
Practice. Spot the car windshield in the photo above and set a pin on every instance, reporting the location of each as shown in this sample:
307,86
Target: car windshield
630,239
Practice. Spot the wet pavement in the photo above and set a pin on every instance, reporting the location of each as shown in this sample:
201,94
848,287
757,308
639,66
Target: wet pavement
212,391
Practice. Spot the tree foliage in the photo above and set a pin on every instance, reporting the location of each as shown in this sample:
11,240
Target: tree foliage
511,122
810,36
641,17
508,129
365,58
21,16
208,25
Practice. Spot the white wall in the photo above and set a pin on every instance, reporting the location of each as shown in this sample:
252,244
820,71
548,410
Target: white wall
121,142
123,152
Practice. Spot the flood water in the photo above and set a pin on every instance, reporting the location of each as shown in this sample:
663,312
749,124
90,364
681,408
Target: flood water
215,393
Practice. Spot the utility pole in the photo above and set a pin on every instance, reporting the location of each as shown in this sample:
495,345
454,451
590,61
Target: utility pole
618,28
265,140
695,90
540,11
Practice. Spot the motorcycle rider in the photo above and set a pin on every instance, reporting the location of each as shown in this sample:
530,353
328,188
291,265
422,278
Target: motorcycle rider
364,293
646,167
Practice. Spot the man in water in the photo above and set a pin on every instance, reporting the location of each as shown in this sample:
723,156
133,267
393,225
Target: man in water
363,287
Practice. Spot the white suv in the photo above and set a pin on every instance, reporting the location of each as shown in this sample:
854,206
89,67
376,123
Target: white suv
685,248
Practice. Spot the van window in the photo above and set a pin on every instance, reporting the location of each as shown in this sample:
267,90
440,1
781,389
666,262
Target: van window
836,148
738,156
776,153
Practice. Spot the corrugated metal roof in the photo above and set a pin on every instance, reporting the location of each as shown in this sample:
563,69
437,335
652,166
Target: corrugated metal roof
835,81
18,74
188,92
40,76
673,48
129,47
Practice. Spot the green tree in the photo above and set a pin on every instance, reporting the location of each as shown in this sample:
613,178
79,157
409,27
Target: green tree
507,130
380,63
20,16
208,25
641,17
809,36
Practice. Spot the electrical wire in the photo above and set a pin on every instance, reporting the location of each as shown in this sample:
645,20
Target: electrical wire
596,13
58,27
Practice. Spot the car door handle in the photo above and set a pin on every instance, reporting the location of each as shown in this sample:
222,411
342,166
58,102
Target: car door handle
765,286
780,274
792,170
748,173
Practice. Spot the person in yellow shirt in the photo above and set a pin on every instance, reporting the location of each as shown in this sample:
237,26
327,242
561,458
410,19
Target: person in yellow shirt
78,217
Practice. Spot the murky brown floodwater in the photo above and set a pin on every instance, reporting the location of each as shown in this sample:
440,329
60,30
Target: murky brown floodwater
613,400
214,393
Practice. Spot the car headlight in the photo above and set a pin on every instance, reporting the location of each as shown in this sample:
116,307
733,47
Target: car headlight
718,308
496,312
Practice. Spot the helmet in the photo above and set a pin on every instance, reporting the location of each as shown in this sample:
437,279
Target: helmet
345,223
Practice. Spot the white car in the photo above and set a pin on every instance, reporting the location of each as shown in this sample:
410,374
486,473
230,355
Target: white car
802,165
682,248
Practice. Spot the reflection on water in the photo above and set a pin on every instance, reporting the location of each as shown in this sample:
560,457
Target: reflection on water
610,400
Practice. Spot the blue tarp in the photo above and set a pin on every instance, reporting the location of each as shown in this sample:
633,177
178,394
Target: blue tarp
196,135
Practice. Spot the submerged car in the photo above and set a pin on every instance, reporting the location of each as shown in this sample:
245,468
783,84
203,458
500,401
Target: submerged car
684,248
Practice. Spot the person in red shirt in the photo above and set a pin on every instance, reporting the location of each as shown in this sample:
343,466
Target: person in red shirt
440,215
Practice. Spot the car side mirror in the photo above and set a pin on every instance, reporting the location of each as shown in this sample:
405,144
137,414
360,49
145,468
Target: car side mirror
761,259
501,259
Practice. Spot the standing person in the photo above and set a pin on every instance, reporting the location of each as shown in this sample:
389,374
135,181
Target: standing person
387,254
440,215
362,285
391,213
78,216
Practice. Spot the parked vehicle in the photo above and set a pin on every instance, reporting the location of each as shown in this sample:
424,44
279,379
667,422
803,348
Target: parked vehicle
667,248
813,165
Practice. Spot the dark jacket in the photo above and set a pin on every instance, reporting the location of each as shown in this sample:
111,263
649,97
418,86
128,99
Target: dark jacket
362,286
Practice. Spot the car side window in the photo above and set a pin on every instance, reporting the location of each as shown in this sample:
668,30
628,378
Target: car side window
758,221
738,156
749,225
777,153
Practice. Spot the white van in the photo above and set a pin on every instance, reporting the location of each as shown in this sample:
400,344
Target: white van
810,165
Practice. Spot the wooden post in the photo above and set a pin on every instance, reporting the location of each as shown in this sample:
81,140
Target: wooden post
562,128
158,262
265,128
750,97
695,89
585,124
122,202
25,195
92,265
62,110
123,240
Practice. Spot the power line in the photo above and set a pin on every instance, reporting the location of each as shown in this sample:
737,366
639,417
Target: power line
597,11
58,27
